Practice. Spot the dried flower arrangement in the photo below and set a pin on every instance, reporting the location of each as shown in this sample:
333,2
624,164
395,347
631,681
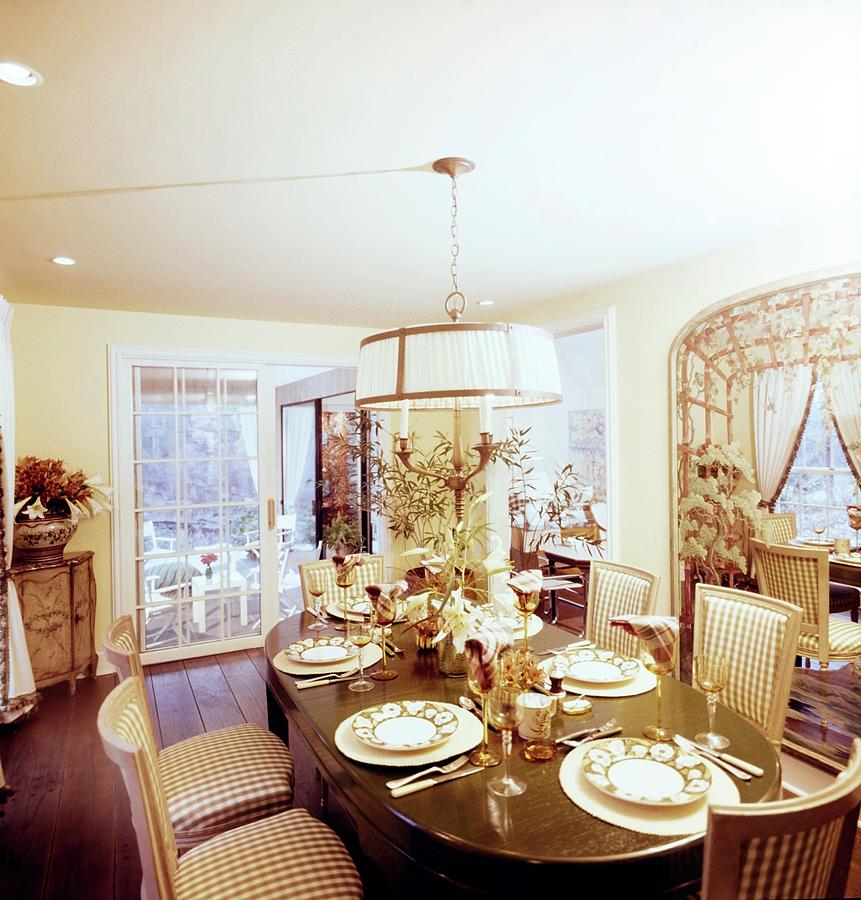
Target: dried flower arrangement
45,487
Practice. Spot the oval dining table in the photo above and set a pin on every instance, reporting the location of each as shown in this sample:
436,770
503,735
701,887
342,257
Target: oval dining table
458,840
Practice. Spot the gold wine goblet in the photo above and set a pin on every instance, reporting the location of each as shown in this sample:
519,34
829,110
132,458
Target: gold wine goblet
385,673
526,602
345,578
482,755
659,668
360,632
506,714
711,673
317,588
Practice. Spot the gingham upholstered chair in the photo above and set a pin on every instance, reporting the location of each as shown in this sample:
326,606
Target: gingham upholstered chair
791,848
371,571
782,528
287,855
778,528
217,780
799,575
617,590
757,635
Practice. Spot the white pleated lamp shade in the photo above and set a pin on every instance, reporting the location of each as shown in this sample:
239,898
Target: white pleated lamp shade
432,366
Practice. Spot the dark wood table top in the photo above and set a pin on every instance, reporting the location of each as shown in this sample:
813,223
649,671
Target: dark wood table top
465,829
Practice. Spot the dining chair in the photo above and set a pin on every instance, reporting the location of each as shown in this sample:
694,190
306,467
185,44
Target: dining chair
800,847
782,528
757,636
289,854
799,575
371,571
216,780
778,528
617,590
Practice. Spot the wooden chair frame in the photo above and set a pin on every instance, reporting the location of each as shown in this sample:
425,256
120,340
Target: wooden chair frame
599,565
156,843
305,569
823,606
729,827
122,649
786,662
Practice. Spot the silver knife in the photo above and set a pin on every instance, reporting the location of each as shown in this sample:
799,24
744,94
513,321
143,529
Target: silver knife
691,747
742,764
594,736
319,682
433,782
578,735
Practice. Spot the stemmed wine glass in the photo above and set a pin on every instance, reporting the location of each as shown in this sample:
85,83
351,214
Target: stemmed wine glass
659,668
384,674
853,511
711,673
345,578
316,588
526,603
360,632
506,715
482,755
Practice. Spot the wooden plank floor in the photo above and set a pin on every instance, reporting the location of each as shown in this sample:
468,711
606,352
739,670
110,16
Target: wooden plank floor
67,830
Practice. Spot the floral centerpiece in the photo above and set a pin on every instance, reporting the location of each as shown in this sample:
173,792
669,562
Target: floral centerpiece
49,502
449,605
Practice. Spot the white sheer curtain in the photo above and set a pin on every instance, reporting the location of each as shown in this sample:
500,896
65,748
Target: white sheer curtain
844,386
17,688
248,427
298,445
779,400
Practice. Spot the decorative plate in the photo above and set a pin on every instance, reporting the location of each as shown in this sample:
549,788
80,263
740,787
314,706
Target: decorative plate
594,666
321,650
817,542
656,774
405,725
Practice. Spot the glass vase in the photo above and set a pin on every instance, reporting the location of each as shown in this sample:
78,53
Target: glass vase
451,663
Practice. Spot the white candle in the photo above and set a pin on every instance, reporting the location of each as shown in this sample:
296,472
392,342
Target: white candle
404,430
485,413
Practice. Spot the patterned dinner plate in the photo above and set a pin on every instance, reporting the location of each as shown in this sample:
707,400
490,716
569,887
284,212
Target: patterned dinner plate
405,725
641,771
321,650
594,666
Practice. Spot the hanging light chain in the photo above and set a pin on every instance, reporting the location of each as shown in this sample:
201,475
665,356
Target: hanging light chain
455,247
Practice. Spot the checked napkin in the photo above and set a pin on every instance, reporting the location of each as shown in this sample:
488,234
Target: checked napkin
658,633
482,650
385,605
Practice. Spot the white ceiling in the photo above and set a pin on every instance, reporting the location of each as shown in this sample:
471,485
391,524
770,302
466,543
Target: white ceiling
610,137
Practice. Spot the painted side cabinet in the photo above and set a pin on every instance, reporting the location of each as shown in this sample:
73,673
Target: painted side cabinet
58,604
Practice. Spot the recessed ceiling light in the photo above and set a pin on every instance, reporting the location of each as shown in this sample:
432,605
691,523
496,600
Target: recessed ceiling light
63,260
18,74
486,302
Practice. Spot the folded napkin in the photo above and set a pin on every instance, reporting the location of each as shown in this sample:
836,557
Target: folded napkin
385,606
658,633
526,584
482,649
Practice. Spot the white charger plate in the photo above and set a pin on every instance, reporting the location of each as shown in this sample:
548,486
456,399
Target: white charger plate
648,772
370,654
405,725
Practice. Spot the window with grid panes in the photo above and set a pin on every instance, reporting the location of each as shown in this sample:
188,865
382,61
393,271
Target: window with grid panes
820,482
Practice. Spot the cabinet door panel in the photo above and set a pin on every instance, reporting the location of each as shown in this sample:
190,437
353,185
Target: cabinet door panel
84,589
45,606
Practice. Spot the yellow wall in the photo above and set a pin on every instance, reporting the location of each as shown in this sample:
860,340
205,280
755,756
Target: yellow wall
61,385
650,310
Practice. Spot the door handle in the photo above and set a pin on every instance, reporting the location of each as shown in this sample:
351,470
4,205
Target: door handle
270,506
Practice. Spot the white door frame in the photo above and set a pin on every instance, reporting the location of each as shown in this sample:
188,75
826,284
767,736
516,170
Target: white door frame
605,318
121,358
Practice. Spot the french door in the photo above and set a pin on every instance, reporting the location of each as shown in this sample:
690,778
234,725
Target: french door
193,466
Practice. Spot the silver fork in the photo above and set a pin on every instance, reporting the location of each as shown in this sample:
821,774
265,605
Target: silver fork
443,770
330,676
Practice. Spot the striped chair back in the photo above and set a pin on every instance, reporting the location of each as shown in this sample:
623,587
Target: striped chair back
757,635
126,732
792,848
371,571
778,528
616,590
121,648
798,575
